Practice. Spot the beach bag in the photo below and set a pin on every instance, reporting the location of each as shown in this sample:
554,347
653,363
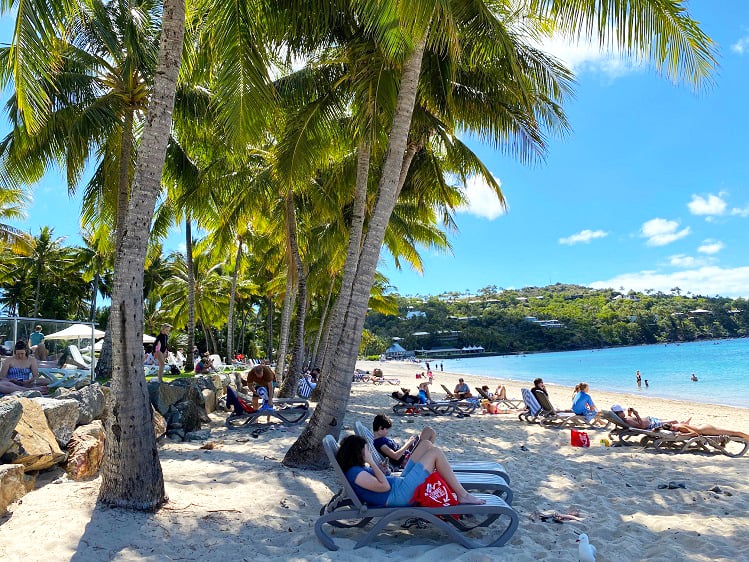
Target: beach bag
434,492
579,438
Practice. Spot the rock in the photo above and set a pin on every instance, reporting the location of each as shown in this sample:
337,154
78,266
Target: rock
716,489
204,382
159,423
220,382
194,394
10,413
91,403
85,451
183,415
176,435
163,395
34,445
201,435
209,397
13,484
62,417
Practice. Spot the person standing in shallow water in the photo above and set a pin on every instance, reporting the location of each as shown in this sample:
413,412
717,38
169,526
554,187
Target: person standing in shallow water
639,380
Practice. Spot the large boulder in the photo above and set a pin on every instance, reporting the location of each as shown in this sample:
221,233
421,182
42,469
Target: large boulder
91,403
10,413
194,394
62,417
85,451
183,416
163,395
13,484
34,445
209,398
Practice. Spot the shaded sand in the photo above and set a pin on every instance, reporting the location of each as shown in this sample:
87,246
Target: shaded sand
237,502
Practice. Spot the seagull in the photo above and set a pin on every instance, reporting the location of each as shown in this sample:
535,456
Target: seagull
586,551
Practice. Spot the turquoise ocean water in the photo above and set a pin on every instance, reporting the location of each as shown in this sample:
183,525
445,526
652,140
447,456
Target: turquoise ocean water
722,368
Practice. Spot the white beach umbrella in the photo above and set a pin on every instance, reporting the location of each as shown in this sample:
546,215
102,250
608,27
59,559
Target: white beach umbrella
75,332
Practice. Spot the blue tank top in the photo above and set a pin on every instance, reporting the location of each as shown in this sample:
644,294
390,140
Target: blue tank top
19,373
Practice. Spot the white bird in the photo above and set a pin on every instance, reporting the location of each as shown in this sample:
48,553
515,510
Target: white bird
585,551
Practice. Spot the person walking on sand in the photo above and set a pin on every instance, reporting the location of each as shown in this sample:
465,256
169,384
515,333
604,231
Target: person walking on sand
639,380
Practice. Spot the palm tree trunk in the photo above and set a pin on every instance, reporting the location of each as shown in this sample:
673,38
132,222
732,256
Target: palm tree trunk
288,307
37,293
131,472
321,328
307,450
297,357
269,329
232,297
190,361
123,182
352,252
94,294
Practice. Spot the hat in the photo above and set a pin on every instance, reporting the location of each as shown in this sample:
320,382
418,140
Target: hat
617,408
165,325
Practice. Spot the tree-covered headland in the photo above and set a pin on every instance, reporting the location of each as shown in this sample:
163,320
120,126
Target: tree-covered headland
513,321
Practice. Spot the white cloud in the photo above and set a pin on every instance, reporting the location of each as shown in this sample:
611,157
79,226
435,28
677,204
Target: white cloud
686,262
482,201
583,237
741,46
660,232
740,212
710,247
587,55
710,205
707,280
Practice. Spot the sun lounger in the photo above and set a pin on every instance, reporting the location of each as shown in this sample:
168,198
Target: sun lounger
403,408
675,441
288,411
462,406
549,418
345,510
383,380
494,480
304,388
65,378
507,402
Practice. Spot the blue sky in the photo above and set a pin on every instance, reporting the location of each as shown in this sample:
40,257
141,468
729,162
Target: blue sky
650,189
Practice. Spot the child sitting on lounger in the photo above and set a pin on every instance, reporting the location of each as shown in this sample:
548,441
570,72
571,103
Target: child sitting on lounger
397,456
375,489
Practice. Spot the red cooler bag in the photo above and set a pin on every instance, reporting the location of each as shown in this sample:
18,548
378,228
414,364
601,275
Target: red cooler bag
579,438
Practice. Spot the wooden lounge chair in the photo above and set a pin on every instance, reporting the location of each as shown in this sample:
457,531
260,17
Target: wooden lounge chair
507,402
674,441
346,510
495,481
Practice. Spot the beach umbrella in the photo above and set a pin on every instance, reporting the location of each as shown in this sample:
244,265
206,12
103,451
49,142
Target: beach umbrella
75,332
148,339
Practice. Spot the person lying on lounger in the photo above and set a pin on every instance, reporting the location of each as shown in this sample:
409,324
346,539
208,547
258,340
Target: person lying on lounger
376,489
633,419
705,429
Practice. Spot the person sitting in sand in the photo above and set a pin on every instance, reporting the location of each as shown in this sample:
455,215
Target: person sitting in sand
375,489
20,372
461,390
705,429
632,418
582,404
397,456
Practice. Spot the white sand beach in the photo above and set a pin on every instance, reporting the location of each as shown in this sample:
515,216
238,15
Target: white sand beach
237,502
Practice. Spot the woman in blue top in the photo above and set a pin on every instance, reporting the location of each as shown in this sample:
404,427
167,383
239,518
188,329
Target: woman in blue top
375,489
582,403
20,372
